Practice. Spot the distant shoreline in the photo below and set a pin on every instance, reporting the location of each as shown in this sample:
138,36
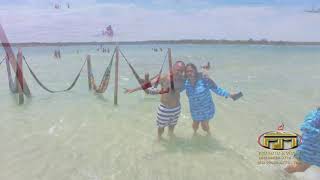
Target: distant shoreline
159,42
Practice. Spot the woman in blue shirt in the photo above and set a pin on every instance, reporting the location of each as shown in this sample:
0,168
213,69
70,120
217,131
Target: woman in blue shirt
198,88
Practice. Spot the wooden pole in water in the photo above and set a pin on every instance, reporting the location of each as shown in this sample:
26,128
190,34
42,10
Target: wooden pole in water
89,71
11,58
170,68
12,87
19,78
116,79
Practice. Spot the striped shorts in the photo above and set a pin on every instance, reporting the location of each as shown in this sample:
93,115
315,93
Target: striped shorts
167,116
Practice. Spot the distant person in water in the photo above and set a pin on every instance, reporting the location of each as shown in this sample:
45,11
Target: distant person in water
201,105
205,69
169,108
57,54
308,153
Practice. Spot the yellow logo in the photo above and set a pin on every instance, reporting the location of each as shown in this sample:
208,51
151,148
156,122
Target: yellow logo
280,139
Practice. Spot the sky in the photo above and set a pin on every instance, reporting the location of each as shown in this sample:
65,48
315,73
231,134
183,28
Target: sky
139,20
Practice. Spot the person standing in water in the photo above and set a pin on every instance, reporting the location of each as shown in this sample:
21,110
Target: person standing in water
201,105
308,153
55,54
169,109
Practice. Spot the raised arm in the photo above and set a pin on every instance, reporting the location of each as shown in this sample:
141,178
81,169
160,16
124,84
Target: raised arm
144,86
220,91
155,91
216,89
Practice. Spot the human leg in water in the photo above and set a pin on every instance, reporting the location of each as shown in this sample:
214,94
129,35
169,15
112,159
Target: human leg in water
170,131
195,126
160,132
205,127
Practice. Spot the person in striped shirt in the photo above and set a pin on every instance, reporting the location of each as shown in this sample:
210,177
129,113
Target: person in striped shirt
201,105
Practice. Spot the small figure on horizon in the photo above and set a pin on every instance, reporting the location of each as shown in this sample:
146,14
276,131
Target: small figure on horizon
55,54
59,54
57,6
108,32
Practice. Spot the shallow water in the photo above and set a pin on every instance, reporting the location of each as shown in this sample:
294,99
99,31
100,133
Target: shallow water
78,135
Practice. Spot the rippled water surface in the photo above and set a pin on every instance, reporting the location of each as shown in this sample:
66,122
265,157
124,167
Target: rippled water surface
78,135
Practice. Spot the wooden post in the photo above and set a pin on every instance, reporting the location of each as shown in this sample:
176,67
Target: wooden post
12,87
11,58
89,69
170,69
19,69
116,79
19,78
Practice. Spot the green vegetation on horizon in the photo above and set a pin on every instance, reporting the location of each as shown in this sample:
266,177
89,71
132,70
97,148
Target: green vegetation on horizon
187,41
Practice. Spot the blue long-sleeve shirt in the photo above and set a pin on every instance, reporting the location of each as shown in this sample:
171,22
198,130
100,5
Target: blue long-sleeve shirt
200,99
311,124
309,150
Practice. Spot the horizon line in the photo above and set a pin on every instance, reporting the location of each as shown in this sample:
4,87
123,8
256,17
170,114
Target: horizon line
181,41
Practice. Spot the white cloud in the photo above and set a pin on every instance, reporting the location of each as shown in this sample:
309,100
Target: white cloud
131,22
